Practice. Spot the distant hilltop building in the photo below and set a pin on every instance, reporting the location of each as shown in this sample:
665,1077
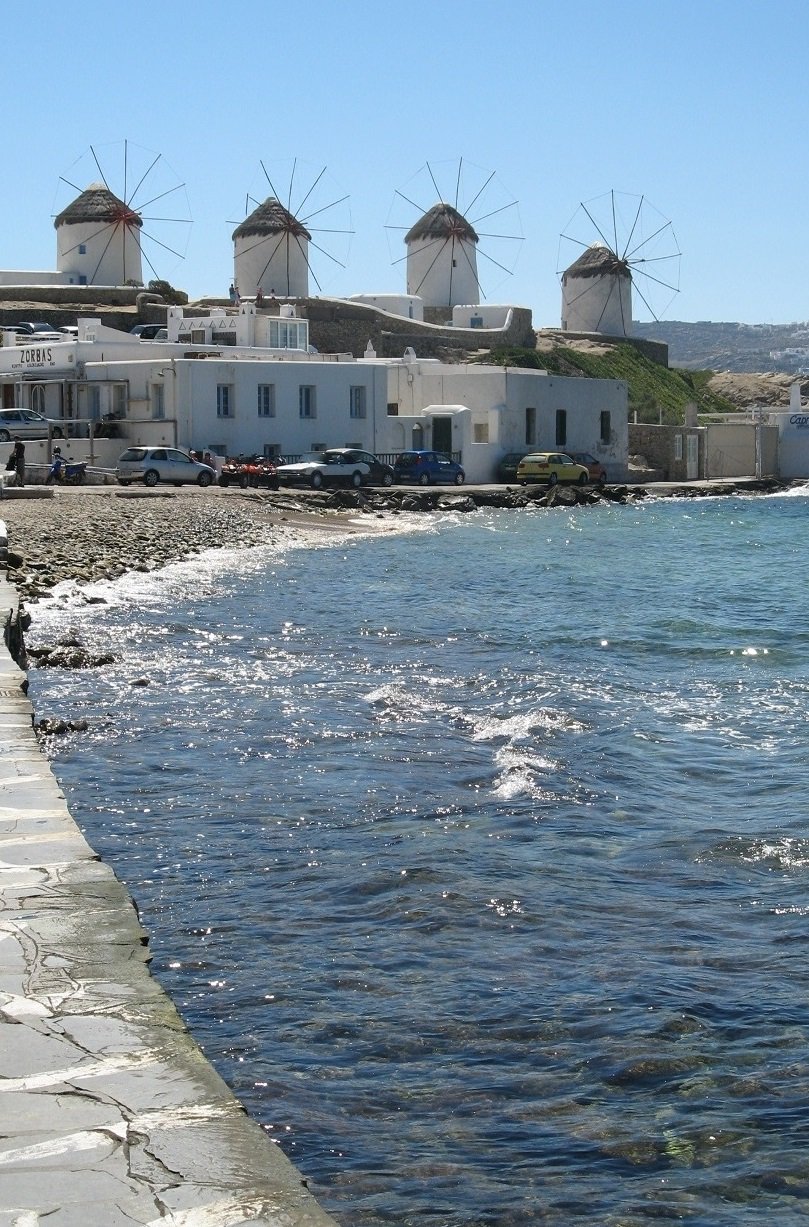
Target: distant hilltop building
271,252
98,240
442,259
597,293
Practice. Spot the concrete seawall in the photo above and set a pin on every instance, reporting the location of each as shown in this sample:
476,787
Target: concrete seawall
109,1112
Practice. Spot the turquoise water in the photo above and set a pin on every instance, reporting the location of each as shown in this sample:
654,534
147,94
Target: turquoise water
476,858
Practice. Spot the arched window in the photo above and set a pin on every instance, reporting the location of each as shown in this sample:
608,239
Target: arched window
38,398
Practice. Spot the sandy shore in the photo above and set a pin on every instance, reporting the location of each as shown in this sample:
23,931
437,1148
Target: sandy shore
87,537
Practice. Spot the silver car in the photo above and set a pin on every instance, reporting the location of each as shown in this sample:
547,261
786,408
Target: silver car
154,464
26,424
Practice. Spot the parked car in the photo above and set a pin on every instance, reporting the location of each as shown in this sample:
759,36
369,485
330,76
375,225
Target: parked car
149,332
551,467
337,466
154,464
41,332
507,466
26,424
428,468
598,474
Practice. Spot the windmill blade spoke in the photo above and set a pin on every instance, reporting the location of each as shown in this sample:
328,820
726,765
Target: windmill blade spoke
643,242
270,260
478,194
458,181
410,202
587,290
632,231
75,186
491,234
311,189
321,230
144,176
614,223
100,171
152,239
570,239
431,266
167,192
484,217
674,255
183,221
656,280
323,252
291,181
308,265
269,180
606,304
496,263
103,253
472,269
647,304
265,238
324,209
89,239
435,185
598,228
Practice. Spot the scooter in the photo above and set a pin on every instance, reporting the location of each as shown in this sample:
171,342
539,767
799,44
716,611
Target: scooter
66,472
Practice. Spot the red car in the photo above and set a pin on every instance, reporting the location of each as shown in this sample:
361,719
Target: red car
598,474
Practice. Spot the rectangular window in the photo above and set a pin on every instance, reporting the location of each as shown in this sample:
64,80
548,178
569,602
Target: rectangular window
357,402
678,447
224,400
605,426
561,427
266,400
393,409
197,336
307,408
530,427
119,400
82,249
158,400
480,432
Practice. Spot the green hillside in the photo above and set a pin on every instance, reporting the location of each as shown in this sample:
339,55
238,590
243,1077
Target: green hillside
654,390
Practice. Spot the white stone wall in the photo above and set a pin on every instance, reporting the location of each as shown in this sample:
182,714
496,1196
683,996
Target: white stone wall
442,273
275,264
597,304
111,253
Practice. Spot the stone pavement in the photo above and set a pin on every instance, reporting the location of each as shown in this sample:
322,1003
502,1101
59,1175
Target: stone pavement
109,1112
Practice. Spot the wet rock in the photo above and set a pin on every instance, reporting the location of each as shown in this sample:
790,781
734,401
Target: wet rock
58,727
456,502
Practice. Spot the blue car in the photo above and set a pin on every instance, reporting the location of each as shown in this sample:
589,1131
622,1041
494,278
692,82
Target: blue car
428,468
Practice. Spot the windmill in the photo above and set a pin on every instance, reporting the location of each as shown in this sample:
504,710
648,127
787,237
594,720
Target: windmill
134,211
621,244
273,246
447,244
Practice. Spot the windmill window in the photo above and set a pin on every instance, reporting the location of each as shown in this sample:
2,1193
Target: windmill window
82,249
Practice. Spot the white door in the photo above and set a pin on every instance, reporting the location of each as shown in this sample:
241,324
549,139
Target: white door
692,458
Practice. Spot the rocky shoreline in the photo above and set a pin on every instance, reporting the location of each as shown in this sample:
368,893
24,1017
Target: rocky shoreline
89,535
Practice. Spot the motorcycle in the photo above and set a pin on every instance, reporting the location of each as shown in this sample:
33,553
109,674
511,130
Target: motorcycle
66,472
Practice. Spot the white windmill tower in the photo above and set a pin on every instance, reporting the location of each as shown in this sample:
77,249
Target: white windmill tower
272,246
105,236
444,248
97,239
597,288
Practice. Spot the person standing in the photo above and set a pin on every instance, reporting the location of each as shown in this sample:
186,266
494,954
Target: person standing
18,456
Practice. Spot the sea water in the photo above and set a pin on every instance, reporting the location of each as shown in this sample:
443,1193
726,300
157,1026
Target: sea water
477,857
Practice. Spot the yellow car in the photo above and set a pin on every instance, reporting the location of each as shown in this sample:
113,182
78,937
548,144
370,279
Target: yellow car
551,467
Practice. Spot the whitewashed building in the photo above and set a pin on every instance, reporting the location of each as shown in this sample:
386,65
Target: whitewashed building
442,258
597,293
246,382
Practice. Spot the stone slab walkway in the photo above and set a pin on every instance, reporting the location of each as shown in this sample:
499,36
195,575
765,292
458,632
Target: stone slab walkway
109,1112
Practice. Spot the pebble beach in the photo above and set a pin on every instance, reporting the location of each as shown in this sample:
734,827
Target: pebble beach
86,537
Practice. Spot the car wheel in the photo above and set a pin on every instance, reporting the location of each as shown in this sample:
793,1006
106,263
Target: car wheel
244,481
424,480
387,479
204,480
584,479
356,480
459,479
316,480
553,479
57,433
151,477
5,437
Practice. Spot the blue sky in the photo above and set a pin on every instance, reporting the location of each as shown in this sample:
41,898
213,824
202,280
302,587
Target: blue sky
699,107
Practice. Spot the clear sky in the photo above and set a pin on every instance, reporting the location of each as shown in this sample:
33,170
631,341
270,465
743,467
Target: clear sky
700,107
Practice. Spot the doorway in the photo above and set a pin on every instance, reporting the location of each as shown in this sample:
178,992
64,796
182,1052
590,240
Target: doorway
442,435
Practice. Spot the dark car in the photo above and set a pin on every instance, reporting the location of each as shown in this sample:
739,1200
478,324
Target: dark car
427,469
598,474
149,332
507,467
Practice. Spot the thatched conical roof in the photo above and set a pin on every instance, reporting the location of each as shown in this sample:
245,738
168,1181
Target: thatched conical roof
442,221
271,218
97,204
597,260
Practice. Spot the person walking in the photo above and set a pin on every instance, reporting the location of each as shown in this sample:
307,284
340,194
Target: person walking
18,456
